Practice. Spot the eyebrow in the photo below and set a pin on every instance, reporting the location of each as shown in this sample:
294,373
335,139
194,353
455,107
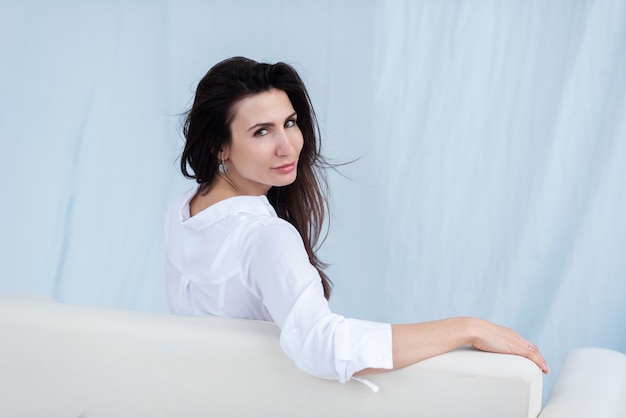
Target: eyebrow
270,124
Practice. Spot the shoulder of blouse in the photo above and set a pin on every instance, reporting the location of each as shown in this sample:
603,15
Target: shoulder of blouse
269,231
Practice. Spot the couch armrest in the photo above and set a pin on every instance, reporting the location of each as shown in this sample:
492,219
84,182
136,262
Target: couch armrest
59,360
592,383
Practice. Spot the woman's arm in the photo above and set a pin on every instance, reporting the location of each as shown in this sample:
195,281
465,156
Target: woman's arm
415,342
328,345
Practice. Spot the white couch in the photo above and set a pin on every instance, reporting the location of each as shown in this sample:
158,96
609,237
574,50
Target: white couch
59,360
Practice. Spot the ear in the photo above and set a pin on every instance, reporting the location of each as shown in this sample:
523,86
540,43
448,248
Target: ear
223,153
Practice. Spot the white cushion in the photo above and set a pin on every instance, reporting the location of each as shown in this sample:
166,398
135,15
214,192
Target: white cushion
592,383
59,360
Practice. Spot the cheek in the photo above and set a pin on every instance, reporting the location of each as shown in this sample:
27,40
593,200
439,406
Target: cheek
299,142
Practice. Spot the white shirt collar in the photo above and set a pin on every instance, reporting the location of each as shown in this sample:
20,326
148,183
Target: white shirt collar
237,205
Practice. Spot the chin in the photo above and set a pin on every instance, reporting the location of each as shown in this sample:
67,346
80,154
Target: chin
285,182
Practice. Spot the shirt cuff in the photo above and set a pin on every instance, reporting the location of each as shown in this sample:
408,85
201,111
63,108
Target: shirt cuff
364,345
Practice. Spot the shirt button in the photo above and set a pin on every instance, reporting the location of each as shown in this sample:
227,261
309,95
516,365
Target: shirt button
294,331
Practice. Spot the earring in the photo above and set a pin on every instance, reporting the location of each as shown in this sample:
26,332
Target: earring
222,167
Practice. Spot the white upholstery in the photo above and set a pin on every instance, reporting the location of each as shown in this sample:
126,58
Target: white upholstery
592,383
59,360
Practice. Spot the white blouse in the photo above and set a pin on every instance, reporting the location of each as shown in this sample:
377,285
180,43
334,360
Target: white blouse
238,259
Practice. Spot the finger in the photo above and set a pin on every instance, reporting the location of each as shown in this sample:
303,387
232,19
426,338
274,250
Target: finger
533,353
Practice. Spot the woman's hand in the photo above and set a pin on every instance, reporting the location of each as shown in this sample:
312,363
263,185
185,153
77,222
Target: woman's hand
494,338
416,342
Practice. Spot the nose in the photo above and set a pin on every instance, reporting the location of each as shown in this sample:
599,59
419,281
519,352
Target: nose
284,144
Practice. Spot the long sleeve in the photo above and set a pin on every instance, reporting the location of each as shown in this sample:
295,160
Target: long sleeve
320,342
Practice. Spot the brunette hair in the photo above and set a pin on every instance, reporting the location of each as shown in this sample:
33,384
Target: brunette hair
207,130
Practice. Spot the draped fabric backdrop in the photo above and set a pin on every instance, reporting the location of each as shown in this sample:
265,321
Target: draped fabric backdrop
490,140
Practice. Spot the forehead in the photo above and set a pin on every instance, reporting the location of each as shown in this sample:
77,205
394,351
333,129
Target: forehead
269,106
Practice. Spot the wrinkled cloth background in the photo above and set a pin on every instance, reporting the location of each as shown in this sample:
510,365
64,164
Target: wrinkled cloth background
489,138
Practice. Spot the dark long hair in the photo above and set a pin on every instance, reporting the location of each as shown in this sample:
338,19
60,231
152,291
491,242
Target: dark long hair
207,129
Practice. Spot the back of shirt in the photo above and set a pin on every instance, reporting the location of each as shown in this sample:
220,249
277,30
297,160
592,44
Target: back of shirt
238,259
203,274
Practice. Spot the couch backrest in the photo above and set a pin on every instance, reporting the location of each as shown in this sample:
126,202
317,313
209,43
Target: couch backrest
59,360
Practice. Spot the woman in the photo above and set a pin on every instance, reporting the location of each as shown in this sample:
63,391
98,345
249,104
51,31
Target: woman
242,243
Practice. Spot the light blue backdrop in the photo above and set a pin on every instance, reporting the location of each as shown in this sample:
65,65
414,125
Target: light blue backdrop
491,137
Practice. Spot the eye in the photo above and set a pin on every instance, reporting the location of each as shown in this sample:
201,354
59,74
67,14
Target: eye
261,132
290,123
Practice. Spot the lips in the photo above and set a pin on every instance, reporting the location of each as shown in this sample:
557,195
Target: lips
286,168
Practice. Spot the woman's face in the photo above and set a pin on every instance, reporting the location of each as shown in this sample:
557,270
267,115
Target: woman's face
265,143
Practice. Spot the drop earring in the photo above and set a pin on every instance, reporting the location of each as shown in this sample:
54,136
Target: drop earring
222,167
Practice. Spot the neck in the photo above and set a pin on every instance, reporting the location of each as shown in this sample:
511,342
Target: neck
229,184
218,190
224,185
